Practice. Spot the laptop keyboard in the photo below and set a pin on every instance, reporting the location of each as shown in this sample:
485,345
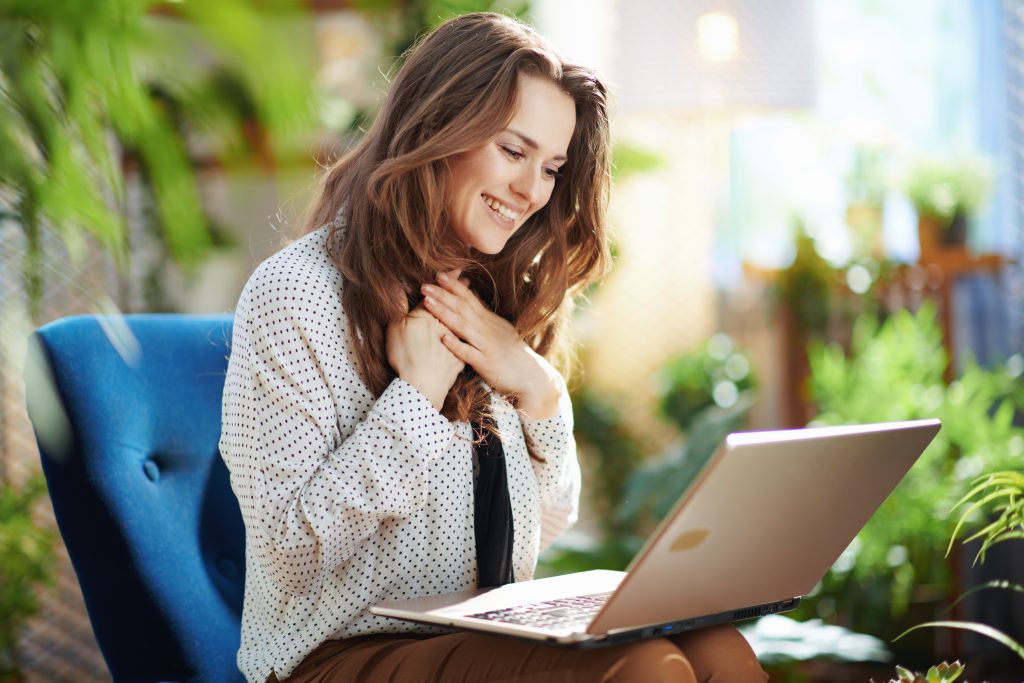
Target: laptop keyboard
560,613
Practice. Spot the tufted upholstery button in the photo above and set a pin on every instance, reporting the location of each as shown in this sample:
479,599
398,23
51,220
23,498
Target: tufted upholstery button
227,568
151,469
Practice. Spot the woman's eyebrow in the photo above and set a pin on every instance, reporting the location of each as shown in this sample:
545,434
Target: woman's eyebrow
532,144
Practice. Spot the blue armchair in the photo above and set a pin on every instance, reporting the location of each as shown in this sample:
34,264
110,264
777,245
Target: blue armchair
128,426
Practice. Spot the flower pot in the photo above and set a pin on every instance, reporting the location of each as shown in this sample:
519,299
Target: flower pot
938,238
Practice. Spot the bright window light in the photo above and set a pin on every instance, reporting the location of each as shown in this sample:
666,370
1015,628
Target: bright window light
717,36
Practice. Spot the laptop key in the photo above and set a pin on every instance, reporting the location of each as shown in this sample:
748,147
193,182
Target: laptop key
558,613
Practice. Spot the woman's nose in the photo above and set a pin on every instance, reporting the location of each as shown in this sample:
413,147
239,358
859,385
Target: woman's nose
528,186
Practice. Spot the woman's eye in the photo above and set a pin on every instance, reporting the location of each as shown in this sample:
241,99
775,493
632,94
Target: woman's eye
515,154
553,172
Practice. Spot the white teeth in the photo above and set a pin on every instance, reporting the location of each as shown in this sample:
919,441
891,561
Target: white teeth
503,210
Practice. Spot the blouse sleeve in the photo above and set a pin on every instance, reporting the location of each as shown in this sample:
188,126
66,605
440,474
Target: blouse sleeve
316,463
558,476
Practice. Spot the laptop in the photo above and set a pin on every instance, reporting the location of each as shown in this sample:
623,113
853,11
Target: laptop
759,526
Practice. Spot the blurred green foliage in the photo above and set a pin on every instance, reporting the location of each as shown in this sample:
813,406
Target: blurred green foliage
613,449
894,371
630,159
806,286
404,21
717,373
27,554
84,87
820,295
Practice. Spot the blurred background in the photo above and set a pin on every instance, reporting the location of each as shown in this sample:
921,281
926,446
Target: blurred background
817,217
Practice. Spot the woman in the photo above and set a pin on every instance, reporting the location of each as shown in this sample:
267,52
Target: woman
391,422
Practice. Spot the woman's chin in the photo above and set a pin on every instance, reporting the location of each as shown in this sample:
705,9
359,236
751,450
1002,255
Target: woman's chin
491,250
489,245
488,241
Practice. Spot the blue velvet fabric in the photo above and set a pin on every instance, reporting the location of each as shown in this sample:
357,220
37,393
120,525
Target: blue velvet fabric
140,492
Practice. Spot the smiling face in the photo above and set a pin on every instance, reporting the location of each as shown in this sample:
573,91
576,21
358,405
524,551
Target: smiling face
497,187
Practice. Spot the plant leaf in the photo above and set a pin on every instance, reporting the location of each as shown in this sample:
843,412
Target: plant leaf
999,583
963,518
945,672
982,629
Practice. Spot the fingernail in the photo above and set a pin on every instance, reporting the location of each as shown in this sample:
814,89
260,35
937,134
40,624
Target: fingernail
442,276
430,300
427,288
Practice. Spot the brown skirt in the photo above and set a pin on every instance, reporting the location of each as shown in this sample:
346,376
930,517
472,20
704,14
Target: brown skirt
719,654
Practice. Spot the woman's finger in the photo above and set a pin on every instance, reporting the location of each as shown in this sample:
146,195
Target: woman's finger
467,353
452,282
451,311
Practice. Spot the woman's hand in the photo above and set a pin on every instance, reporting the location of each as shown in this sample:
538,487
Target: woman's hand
420,357
492,346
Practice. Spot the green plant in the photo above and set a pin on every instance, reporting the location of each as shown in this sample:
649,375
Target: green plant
26,561
690,382
611,453
807,284
894,371
943,186
85,86
998,500
940,673
1004,493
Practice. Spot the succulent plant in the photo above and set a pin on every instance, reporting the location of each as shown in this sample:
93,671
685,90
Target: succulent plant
940,673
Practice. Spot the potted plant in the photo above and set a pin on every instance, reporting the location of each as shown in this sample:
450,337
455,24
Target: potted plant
947,191
996,504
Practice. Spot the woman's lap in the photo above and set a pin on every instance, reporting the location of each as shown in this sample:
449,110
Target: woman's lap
707,656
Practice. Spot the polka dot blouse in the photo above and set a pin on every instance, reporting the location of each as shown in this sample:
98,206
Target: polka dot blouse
348,499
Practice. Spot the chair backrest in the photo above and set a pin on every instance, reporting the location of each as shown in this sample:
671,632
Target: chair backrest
128,422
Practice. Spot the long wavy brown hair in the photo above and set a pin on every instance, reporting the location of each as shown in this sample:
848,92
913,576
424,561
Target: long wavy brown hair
456,89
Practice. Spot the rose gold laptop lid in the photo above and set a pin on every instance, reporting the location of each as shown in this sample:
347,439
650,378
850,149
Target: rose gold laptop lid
764,521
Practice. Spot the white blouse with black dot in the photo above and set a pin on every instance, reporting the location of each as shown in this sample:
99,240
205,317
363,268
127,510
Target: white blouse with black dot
350,500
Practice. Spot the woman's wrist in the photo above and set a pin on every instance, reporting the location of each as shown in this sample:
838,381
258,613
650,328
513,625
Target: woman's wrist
435,397
539,401
538,396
